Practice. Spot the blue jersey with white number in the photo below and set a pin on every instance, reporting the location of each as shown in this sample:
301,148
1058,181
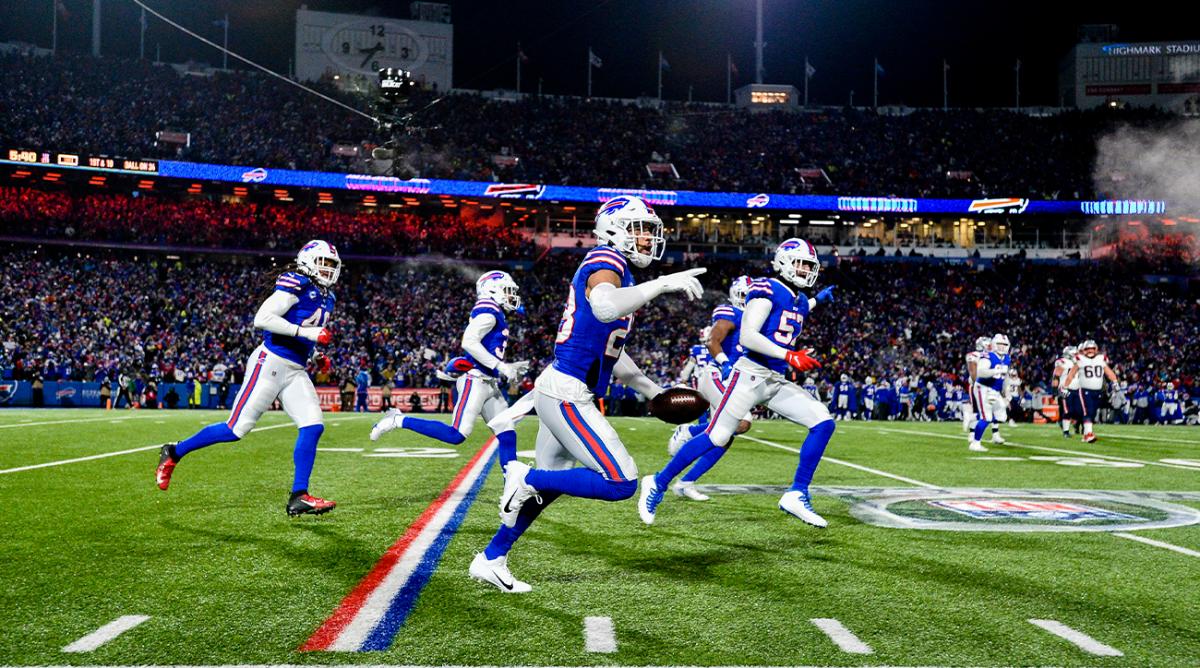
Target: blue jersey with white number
701,355
586,348
999,364
730,345
811,388
496,339
845,388
313,310
783,324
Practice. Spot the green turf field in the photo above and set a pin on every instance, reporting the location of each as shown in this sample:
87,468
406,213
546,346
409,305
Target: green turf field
224,577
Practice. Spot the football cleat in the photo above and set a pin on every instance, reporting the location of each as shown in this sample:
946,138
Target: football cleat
797,503
1089,438
166,465
392,419
495,572
998,439
688,490
976,446
678,438
649,499
302,503
516,492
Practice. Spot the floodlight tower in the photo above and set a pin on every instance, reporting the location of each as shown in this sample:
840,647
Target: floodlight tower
758,42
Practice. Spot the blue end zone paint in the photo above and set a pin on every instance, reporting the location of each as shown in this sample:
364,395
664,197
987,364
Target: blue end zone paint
393,620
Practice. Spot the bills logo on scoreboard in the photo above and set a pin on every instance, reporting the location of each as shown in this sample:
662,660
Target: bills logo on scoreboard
1017,509
758,201
522,190
1000,205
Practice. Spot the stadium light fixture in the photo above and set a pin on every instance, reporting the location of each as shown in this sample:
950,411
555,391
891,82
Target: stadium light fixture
821,222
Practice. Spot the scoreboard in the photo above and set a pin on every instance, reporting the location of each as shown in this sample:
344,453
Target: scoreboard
351,45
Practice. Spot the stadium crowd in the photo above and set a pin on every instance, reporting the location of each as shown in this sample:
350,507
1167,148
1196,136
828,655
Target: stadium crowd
80,317
111,106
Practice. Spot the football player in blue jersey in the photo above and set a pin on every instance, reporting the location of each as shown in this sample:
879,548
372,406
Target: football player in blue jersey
988,390
293,320
697,362
724,348
844,396
483,344
588,353
771,323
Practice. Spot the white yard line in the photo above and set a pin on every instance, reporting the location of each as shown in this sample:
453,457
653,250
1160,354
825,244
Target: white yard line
598,635
1081,640
104,455
105,633
107,418
841,636
1157,543
852,465
1061,451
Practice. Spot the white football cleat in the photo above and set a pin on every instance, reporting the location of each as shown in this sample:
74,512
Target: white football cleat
797,503
650,497
998,439
495,572
515,493
688,490
976,446
392,419
678,438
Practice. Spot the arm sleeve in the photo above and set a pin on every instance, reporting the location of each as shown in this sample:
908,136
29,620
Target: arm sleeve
630,375
270,314
687,369
472,339
811,303
611,303
752,339
983,369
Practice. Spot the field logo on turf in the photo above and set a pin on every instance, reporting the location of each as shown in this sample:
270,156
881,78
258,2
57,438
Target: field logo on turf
1054,511
7,390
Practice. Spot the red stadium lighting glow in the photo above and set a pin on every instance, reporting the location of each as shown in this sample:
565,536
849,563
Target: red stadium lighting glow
21,173
1168,222
240,191
52,176
145,184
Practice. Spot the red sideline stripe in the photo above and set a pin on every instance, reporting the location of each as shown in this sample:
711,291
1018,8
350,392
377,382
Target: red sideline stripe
349,607
245,393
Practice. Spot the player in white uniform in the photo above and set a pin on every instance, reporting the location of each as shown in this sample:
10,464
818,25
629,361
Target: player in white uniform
771,323
588,353
969,410
1061,366
991,370
293,320
1084,383
483,343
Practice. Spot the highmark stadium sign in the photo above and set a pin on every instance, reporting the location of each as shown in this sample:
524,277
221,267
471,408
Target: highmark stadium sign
547,192
1164,49
1012,510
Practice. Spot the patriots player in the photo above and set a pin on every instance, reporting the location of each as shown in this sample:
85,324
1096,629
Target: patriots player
483,344
991,370
771,323
1083,384
725,349
588,353
1061,366
969,411
293,320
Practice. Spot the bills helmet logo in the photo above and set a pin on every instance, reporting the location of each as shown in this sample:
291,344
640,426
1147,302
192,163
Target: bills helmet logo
254,176
524,190
613,205
999,205
758,201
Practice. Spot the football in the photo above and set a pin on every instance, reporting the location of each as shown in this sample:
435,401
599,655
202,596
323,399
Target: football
678,405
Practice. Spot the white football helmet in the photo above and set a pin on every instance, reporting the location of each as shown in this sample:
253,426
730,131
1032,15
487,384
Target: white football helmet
845,378
627,223
795,251
319,261
1070,351
1170,387
705,334
1000,344
738,290
1089,345
500,287
982,343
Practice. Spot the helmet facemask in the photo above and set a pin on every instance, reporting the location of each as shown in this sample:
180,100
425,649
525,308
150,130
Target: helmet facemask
644,242
320,262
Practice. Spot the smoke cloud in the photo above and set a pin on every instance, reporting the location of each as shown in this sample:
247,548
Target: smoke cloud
1152,163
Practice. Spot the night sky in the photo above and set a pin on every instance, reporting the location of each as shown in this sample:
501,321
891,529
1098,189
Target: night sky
980,40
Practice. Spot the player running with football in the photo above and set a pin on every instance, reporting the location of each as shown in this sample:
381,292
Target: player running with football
293,320
772,321
588,353
483,343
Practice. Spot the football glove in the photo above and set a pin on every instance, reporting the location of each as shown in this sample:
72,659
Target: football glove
513,371
319,335
683,281
801,361
825,296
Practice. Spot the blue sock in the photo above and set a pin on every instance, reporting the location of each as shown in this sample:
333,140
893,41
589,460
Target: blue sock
305,454
698,428
702,422
503,541
980,427
581,482
690,452
810,454
706,462
434,429
506,447
213,433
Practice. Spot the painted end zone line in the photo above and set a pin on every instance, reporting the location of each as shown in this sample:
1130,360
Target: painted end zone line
841,636
105,633
1081,640
373,612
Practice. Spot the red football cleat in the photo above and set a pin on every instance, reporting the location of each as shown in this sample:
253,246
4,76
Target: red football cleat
1089,438
303,503
166,466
